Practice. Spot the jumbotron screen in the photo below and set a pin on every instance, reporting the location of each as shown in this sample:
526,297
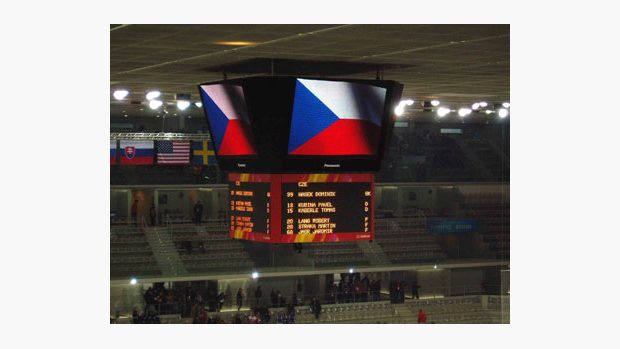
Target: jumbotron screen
228,118
285,124
336,118
292,208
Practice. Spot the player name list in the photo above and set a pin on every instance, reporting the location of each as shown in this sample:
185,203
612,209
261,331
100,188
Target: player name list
249,207
326,208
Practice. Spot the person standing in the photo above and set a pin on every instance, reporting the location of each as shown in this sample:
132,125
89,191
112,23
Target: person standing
414,290
421,317
152,214
239,299
258,294
134,213
198,212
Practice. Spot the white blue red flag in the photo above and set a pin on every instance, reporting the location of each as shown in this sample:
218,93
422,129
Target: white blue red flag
136,152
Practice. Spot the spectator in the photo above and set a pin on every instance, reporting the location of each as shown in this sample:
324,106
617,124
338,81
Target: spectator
239,299
220,301
134,213
258,294
198,212
152,214
414,290
421,317
274,298
294,299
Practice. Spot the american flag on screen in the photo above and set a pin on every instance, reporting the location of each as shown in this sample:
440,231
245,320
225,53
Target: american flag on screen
173,152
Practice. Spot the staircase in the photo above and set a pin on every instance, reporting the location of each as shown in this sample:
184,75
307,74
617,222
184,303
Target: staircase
374,253
164,251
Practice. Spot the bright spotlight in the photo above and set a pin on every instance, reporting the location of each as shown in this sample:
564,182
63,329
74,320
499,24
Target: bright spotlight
463,112
182,105
119,95
489,111
152,95
475,106
155,104
198,104
133,281
483,104
350,270
254,275
399,110
443,111
506,105
435,102
435,266
502,113
408,102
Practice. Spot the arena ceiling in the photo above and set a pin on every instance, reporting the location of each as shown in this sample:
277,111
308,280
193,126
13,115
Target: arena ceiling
457,64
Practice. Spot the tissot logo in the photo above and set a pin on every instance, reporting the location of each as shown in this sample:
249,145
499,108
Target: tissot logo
241,165
331,165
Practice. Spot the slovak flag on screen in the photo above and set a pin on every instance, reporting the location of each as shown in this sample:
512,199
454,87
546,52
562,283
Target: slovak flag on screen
336,118
136,152
228,118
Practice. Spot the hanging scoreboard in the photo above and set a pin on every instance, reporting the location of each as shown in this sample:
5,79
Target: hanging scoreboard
292,208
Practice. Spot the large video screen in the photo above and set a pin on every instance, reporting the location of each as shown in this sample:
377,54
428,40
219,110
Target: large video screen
336,118
228,119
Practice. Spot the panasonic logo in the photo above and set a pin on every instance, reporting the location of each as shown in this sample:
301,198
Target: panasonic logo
331,165
241,165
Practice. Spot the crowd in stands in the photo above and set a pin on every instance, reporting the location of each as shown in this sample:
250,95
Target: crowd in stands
354,289
198,306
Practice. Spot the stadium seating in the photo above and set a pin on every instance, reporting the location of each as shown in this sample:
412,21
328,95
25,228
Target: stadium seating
130,253
407,241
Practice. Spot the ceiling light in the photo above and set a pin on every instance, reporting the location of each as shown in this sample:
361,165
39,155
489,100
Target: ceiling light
119,95
502,113
408,102
155,104
489,111
254,275
182,105
399,110
350,270
198,104
152,95
463,112
483,104
443,111
435,102
475,106
133,281
506,105
235,43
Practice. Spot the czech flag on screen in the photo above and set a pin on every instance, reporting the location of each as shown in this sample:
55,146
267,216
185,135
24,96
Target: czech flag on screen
336,118
228,117
136,152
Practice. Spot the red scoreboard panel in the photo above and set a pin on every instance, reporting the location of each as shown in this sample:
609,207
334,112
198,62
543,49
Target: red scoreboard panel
292,208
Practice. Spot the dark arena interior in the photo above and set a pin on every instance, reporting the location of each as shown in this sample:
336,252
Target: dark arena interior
310,174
